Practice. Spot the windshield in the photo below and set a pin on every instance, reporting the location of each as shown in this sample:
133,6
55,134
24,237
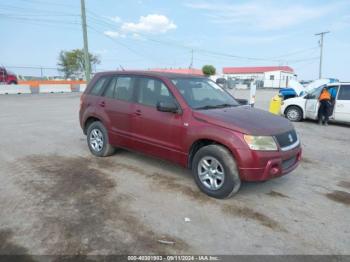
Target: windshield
315,91
202,93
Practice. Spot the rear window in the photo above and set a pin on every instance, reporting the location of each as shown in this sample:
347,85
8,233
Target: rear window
97,88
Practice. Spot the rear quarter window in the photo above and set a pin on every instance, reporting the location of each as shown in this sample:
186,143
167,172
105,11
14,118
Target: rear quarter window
98,86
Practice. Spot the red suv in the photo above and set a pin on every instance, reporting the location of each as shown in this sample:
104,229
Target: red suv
191,121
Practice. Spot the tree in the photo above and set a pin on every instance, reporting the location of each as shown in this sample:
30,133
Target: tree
208,70
72,63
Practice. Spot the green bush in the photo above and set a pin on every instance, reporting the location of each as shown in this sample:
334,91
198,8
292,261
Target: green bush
208,70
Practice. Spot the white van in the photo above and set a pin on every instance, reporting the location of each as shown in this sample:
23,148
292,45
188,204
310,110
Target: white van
307,105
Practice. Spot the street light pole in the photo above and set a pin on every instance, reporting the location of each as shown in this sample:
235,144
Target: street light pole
321,52
86,47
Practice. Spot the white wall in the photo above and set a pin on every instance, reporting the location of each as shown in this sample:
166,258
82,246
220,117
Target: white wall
272,79
277,79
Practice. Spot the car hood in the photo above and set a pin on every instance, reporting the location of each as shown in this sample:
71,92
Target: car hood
246,120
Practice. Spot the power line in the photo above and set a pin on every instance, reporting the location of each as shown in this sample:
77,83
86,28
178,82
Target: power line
210,52
104,22
116,42
296,52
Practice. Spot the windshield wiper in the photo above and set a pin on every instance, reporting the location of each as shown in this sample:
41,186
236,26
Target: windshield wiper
214,106
225,105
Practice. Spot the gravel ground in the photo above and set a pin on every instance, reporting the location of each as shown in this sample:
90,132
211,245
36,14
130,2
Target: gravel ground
56,198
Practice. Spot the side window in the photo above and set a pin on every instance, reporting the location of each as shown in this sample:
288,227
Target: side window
109,90
152,91
272,77
314,94
344,92
124,88
97,88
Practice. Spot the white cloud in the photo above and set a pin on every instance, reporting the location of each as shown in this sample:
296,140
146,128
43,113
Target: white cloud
115,19
152,23
261,14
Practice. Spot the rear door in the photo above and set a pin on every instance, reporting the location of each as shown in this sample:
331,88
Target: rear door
157,133
118,105
342,105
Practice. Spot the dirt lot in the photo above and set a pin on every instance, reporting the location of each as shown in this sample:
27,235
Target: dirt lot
55,198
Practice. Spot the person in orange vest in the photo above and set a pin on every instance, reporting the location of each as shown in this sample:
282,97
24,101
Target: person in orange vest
325,104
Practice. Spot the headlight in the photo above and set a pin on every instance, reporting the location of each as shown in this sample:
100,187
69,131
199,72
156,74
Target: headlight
264,143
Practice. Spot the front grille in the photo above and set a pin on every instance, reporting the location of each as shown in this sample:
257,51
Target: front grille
288,163
287,139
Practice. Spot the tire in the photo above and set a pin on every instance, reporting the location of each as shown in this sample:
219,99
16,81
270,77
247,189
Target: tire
228,181
97,139
13,83
294,114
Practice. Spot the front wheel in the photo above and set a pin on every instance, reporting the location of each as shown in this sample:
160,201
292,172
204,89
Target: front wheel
215,171
294,114
97,139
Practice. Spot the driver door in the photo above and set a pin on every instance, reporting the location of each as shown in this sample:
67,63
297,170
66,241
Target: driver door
312,104
160,134
311,108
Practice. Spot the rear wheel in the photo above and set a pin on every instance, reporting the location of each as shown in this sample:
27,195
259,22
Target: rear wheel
215,171
97,139
294,114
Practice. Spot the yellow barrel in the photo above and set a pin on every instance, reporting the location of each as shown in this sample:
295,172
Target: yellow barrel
275,105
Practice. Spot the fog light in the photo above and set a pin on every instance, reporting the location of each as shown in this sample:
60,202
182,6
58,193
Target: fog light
274,171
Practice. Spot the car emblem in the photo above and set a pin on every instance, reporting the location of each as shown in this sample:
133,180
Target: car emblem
290,138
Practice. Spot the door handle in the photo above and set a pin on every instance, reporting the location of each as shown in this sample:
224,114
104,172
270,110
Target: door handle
138,112
340,105
102,104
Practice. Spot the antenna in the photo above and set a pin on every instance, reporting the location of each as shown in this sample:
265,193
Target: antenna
191,64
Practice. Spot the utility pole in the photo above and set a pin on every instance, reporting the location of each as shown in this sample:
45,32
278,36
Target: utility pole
321,52
191,64
86,47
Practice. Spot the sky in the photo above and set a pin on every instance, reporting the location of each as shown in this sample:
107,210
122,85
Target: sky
143,34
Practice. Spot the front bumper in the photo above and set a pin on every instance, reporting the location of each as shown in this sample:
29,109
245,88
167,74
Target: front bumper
264,165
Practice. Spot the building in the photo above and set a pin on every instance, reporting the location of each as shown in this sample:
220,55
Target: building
264,76
186,71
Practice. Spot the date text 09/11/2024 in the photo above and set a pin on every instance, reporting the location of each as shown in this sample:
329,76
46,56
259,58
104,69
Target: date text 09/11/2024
173,258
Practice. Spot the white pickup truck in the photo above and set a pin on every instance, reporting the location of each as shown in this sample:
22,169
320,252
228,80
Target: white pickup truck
307,105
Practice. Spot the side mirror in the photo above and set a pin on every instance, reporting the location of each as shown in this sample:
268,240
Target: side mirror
168,106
